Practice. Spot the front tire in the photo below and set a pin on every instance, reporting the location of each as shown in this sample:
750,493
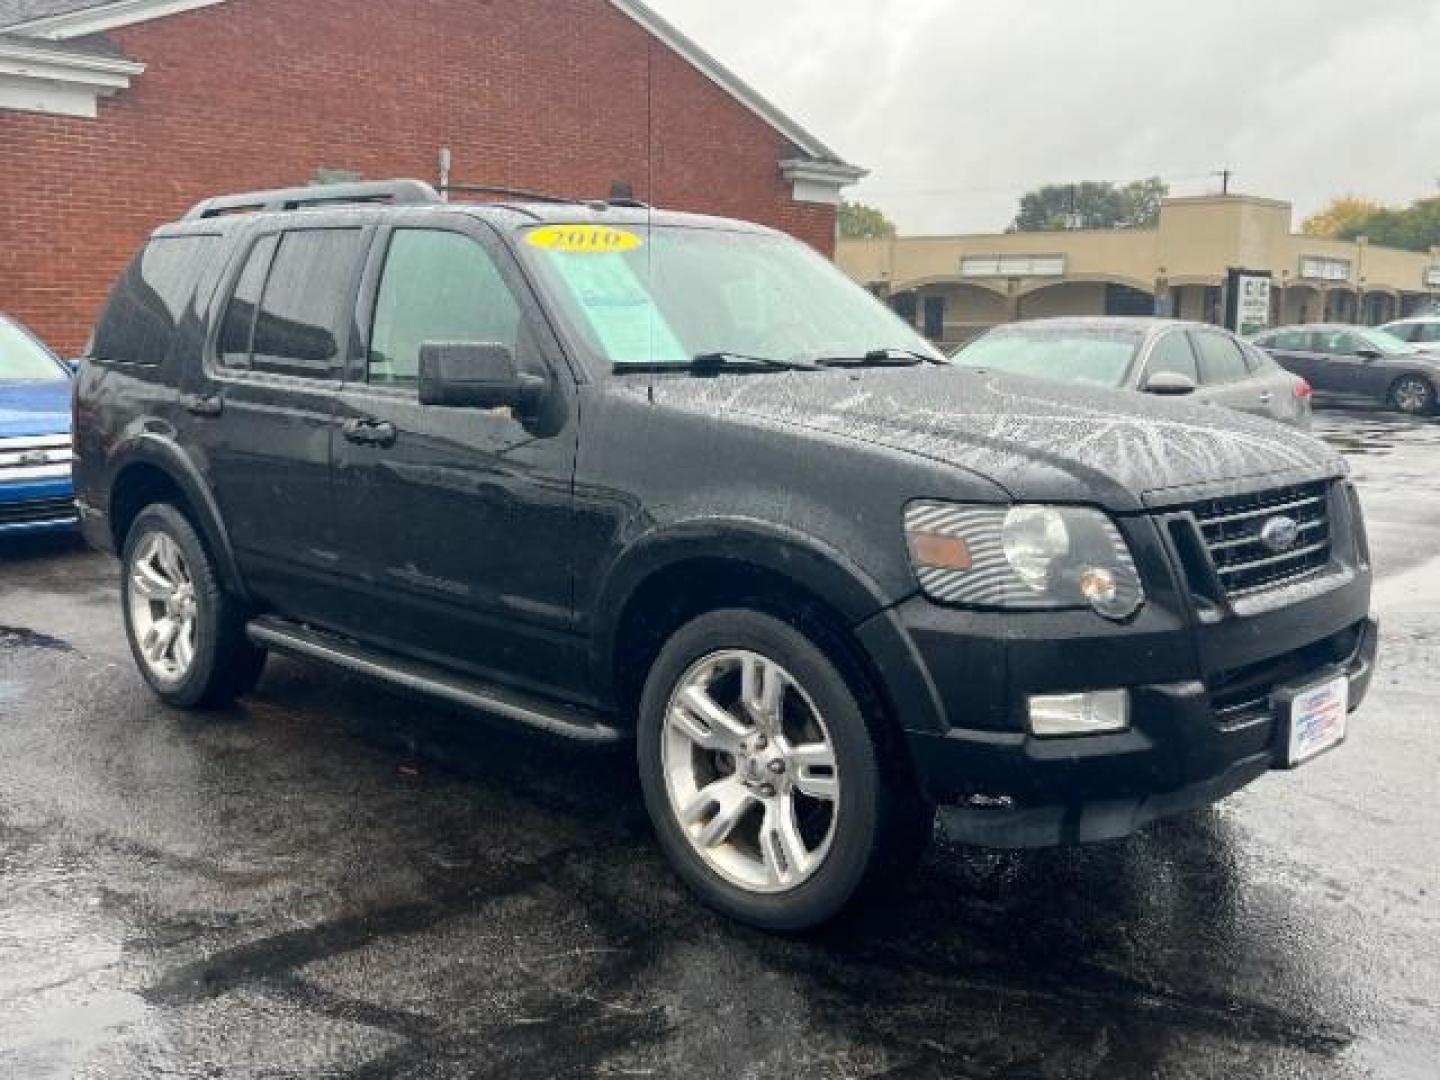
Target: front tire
1413,396
766,785
186,633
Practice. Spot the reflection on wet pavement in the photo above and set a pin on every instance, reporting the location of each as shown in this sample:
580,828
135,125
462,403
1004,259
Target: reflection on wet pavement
333,881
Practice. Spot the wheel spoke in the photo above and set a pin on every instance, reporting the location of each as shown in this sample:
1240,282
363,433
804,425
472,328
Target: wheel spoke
159,639
814,766
787,859
171,561
185,644
150,583
705,723
721,806
762,688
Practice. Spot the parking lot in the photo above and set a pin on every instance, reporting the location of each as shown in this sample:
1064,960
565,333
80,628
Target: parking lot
334,881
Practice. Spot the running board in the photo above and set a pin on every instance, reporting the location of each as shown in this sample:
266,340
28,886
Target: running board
431,681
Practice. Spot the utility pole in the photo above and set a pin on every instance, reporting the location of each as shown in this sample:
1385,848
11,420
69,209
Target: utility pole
1225,175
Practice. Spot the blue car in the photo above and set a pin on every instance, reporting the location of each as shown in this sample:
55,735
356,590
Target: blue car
35,449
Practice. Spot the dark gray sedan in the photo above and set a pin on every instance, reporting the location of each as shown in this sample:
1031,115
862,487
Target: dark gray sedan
1155,356
1358,362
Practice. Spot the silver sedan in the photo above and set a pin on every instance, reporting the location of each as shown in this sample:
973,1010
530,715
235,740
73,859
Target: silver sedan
1155,356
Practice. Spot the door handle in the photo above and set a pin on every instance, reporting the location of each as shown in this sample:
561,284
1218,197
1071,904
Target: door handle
1266,397
370,432
198,405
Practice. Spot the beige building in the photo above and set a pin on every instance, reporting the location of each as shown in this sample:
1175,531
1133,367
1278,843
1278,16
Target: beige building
954,287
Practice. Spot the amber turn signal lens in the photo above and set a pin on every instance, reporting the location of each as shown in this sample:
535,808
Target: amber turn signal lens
940,552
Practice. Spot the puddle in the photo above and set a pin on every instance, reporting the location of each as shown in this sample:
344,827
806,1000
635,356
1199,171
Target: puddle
18,637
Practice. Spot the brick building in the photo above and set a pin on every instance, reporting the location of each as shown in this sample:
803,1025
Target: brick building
118,115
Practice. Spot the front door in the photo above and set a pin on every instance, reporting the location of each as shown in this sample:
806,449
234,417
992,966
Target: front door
456,523
263,416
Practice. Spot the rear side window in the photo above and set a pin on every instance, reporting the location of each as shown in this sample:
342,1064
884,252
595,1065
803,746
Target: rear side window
1289,340
302,281
1221,360
1429,331
151,299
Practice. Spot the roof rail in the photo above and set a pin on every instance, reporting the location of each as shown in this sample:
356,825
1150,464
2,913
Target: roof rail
398,192
507,193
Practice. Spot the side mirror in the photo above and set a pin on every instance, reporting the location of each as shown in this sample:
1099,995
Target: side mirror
476,375
1170,384
1368,354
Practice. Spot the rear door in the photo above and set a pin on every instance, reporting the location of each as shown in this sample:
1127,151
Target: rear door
1225,375
1293,350
456,524
265,411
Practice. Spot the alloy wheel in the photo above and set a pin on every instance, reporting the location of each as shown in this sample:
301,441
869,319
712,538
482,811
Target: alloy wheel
751,771
164,613
1411,396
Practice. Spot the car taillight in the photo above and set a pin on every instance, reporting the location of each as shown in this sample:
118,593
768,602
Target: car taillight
1303,390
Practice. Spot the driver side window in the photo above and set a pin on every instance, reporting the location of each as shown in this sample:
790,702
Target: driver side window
1172,355
438,287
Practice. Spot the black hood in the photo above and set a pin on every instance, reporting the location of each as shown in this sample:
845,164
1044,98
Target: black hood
1037,439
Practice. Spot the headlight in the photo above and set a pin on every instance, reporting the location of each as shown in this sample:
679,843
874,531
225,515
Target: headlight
1023,557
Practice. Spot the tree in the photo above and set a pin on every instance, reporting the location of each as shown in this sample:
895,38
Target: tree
1415,228
861,222
1091,205
1339,215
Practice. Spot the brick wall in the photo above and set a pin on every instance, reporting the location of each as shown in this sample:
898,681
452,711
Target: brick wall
554,95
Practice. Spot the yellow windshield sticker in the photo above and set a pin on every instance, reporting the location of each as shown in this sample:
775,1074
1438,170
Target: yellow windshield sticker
584,239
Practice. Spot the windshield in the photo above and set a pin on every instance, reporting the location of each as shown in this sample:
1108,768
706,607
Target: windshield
23,359
1096,357
667,295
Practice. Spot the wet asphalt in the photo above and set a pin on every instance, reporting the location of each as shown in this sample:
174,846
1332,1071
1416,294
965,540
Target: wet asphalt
333,881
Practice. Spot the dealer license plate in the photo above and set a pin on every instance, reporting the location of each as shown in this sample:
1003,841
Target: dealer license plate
1317,719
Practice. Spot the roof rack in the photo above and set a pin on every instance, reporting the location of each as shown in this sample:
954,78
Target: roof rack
397,192
506,193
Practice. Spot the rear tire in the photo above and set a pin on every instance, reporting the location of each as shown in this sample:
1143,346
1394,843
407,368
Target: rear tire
1413,396
777,807
186,633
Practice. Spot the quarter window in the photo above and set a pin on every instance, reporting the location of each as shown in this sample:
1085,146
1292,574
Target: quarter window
437,287
1221,360
150,301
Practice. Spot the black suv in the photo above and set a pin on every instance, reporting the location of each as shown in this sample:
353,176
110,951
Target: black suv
613,473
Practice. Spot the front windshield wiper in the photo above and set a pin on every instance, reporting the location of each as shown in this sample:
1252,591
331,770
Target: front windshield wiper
707,363
881,358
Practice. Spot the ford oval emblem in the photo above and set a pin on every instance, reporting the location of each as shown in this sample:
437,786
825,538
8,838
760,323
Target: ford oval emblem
1280,534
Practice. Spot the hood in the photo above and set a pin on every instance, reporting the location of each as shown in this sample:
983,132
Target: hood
29,408
1039,440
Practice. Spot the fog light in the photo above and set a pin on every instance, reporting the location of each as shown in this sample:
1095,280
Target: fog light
1095,713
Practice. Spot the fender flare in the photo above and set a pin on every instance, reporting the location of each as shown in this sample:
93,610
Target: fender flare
161,452
798,557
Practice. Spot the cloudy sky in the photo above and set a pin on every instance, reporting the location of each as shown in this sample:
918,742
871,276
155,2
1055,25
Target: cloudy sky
959,106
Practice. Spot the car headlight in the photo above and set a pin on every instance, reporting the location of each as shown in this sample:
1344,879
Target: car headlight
1025,557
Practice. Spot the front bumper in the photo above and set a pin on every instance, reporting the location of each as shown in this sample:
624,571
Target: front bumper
37,507
1201,682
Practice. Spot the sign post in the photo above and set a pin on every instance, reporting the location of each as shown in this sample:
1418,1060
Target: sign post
1247,301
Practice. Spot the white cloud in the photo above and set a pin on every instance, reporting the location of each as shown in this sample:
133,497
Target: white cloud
959,106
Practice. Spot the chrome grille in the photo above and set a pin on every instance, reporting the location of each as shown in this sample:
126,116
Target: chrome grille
1244,563
42,457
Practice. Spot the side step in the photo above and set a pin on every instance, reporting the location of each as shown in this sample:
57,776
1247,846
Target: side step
431,681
